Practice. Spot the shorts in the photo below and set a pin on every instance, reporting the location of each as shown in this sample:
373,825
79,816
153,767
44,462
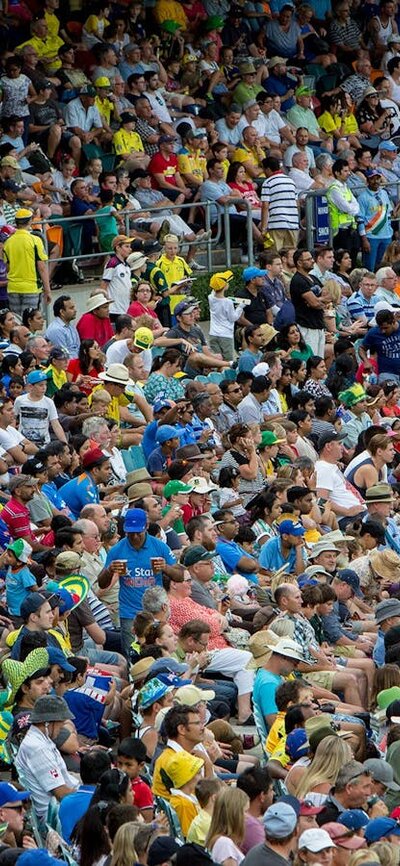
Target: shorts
323,679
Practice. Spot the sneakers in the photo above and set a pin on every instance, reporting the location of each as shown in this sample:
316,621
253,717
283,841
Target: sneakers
163,231
196,266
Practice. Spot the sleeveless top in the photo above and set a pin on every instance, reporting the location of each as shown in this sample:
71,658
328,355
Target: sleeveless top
386,32
350,475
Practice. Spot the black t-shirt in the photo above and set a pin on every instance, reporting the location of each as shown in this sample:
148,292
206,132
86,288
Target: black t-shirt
305,315
44,115
256,312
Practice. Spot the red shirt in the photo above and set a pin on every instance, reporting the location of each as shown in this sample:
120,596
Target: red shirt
16,516
74,368
167,167
90,327
142,795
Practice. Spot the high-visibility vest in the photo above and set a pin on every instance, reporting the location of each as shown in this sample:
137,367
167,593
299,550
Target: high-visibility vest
337,218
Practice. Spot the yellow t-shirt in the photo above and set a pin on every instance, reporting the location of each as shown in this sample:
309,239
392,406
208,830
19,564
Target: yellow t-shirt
247,154
47,50
105,108
174,271
170,10
53,24
225,163
162,763
328,123
127,142
350,125
276,732
192,163
198,830
21,252
185,808
95,25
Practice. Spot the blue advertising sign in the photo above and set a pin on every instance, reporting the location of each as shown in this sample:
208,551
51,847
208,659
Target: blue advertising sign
321,219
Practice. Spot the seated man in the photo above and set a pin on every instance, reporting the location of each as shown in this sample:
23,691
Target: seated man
201,357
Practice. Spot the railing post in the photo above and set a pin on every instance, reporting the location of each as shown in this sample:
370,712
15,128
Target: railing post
250,243
309,214
209,242
227,236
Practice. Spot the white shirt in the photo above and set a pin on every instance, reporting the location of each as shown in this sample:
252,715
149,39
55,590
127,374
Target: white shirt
330,478
118,276
34,418
287,159
269,125
159,105
223,315
43,768
302,179
118,351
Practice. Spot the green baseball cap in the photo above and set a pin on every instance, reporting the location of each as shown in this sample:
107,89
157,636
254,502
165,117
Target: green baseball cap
303,90
174,487
196,553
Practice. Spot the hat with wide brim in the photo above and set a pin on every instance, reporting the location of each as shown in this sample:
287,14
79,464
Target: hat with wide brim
141,668
77,585
118,374
385,564
51,708
96,301
16,672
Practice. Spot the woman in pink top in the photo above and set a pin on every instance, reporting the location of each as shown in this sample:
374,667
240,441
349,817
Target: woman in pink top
183,609
142,303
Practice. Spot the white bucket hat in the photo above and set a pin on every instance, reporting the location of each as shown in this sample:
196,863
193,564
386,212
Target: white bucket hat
96,301
117,373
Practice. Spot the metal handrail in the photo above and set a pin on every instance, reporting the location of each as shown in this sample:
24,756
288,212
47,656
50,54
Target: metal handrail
317,193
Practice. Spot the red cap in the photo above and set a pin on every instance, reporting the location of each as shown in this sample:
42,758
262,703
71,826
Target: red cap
308,808
94,457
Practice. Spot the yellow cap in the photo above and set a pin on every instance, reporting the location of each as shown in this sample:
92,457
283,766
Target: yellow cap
219,281
183,767
143,338
23,214
102,82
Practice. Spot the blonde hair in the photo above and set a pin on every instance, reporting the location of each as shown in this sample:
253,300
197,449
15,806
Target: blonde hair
333,290
277,581
358,857
101,396
387,853
124,853
331,755
228,816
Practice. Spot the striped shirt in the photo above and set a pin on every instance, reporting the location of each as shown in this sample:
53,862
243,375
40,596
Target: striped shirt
358,305
279,192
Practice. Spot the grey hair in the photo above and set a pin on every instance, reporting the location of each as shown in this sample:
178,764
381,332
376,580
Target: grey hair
383,273
345,154
154,599
324,160
93,425
350,774
84,525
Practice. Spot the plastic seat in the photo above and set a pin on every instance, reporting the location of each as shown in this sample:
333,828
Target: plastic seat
230,374
201,379
173,820
216,378
133,458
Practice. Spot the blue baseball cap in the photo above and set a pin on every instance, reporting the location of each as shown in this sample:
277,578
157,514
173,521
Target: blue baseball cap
10,794
387,145
378,828
291,527
353,819
280,820
158,405
36,376
347,575
135,520
297,744
168,432
252,273
57,657
305,580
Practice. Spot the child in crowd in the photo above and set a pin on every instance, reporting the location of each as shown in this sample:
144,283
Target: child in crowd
229,482
206,791
223,315
131,757
19,578
95,168
184,772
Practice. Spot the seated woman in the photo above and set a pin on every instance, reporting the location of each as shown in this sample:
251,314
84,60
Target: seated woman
373,119
291,340
238,181
143,303
85,369
10,366
335,121
162,382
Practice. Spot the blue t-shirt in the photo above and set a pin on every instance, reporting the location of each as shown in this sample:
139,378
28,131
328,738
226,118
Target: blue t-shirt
79,492
264,690
139,574
17,588
157,461
248,360
73,807
231,553
50,489
149,439
271,556
387,350
87,711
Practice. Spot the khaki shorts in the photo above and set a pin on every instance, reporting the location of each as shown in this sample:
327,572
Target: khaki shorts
323,679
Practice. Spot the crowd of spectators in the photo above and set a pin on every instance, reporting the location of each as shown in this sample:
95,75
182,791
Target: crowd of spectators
199,520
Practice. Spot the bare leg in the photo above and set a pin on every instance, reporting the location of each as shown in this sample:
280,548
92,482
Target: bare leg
53,140
354,688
